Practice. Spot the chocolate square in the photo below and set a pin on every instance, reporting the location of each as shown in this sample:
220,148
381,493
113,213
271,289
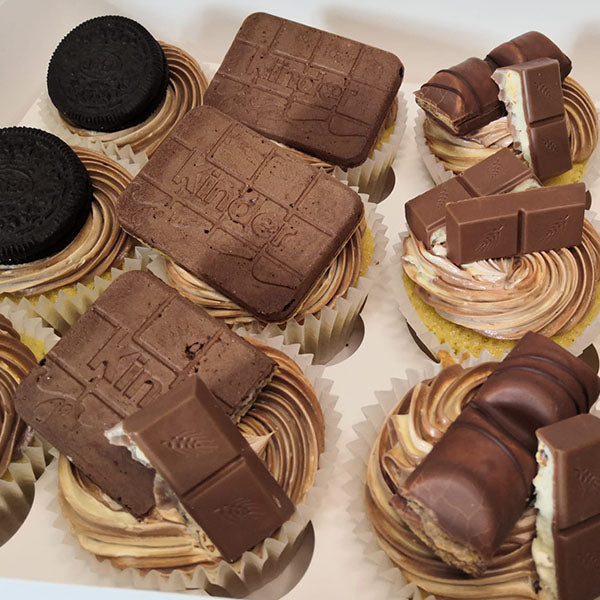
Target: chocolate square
240,213
323,94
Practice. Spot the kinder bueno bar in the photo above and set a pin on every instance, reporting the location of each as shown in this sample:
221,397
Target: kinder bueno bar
517,223
532,94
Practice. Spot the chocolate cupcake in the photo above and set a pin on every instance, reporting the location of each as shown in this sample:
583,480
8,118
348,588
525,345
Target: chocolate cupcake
110,80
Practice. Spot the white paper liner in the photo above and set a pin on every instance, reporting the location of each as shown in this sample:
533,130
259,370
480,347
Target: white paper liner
17,486
378,564
66,309
395,282
254,569
439,173
325,336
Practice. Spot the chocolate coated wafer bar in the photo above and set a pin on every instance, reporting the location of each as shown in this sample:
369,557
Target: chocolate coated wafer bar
312,90
500,173
517,223
468,493
199,452
245,216
132,345
533,96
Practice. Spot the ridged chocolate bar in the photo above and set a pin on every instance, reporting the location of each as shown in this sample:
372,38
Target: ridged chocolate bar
517,223
532,93
131,346
207,463
471,489
245,216
500,173
525,47
312,90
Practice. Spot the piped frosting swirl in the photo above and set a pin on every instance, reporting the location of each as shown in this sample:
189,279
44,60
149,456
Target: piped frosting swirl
187,84
16,360
286,412
410,431
546,292
100,244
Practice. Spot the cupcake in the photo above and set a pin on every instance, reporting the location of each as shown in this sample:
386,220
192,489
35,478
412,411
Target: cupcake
60,220
420,419
110,80
332,100
489,304
454,151
253,234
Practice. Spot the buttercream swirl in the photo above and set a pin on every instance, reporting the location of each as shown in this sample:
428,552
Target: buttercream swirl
343,273
410,431
287,410
187,84
460,153
546,292
16,360
100,244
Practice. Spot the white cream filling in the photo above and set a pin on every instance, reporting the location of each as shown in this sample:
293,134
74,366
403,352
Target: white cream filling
543,544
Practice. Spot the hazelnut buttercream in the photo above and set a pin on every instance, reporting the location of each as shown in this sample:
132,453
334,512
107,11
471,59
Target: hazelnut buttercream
410,431
16,360
187,84
545,292
460,153
286,413
100,244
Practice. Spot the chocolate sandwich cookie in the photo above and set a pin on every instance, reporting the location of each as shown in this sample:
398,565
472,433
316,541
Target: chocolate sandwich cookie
45,195
107,74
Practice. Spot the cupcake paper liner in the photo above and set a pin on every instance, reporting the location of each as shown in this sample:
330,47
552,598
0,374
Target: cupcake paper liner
395,282
323,336
254,569
17,485
439,173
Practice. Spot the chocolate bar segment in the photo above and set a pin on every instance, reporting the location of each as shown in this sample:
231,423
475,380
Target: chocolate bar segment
252,220
133,344
219,480
516,223
312,90
462,98
526,47
502,172
533,97
471,489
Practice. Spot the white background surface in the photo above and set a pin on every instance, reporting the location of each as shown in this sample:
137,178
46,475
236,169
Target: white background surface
426,36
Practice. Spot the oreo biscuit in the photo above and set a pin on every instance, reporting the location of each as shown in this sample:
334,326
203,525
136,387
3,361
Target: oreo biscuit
107,74
45,195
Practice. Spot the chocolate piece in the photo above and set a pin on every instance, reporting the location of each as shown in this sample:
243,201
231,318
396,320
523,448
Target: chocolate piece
133,344
502,172
255,222
516,223
532,94
107,74
45,195
315,91
471,489
462,98
206,461
526,47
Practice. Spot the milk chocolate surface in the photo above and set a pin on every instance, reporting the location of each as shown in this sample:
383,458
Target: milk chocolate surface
133,344
497,174
542,104
486,459
240,213
575,446
315,91
517,223
219,480
526,47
